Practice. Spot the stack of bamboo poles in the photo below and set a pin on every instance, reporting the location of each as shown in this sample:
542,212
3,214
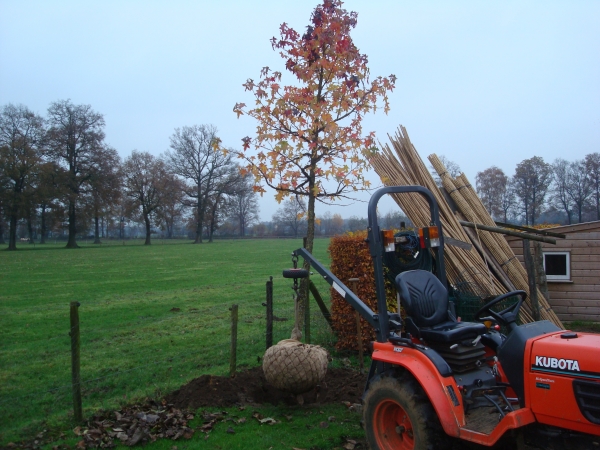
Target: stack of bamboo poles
490,266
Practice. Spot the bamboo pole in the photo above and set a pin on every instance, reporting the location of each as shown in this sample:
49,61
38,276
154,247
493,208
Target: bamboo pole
500,230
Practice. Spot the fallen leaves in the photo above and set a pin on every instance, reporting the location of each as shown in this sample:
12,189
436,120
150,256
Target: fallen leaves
264,420
135,425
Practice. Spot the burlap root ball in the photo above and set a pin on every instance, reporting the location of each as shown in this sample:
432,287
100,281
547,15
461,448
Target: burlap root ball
295,367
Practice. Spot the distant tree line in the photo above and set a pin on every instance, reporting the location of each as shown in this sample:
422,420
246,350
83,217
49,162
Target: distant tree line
291,220
59,178
563,192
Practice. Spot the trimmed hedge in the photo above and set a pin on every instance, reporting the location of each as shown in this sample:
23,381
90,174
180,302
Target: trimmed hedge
350,258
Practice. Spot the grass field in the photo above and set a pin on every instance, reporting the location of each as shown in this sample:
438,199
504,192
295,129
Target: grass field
151,318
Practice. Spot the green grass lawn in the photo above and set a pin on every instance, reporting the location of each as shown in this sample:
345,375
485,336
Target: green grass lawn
151,319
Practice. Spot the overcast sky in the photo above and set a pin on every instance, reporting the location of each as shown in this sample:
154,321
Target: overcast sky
483,83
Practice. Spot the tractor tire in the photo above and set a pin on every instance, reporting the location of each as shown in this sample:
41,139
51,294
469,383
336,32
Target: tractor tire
397,415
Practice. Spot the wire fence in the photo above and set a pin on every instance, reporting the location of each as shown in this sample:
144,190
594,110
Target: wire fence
132,359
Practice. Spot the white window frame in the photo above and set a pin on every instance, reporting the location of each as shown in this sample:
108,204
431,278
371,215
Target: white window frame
566,277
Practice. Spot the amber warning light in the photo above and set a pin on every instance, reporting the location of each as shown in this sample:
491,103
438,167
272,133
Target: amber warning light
429,237
388,240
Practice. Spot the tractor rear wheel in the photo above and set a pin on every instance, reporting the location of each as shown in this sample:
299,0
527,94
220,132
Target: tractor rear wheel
398,416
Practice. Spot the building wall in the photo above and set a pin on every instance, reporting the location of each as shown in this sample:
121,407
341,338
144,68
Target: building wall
579,298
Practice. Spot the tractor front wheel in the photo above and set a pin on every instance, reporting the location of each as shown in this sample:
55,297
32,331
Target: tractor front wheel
399,416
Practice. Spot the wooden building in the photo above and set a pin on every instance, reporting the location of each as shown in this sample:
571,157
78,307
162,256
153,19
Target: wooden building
573,270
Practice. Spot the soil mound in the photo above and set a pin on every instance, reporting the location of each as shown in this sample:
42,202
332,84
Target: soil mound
251,387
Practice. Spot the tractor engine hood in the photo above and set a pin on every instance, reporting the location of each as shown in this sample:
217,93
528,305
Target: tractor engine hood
568,354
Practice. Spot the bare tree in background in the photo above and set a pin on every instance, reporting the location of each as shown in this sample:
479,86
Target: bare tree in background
48,192
579,186
105,185
172,205
325,222
21,140
561,173
337,225
75,137
392,220
531,180
592,168
355,223
243,204
508,202
292,215
572,187
224,184
197,160
3,186
145,180
491,185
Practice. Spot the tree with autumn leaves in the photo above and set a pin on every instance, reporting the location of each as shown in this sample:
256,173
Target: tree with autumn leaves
309,138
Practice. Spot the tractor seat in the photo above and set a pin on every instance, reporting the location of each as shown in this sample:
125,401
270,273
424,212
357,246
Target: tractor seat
425,301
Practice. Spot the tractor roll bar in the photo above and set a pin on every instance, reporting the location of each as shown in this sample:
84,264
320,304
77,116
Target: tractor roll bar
380,322
376,246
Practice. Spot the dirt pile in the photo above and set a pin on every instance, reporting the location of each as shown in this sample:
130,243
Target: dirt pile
251,387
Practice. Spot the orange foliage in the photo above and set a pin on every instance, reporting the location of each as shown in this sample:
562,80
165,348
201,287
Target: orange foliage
309,137
350,258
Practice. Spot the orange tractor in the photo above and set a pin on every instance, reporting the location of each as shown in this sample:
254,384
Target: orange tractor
434,378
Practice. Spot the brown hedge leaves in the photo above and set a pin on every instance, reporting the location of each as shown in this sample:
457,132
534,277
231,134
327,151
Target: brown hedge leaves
350,258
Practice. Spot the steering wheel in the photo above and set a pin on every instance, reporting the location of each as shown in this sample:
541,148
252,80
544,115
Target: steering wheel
508,315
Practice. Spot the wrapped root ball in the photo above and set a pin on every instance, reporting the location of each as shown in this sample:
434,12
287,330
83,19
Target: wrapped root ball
295,367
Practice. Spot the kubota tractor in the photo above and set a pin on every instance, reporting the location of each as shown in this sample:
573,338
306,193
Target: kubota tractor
433,377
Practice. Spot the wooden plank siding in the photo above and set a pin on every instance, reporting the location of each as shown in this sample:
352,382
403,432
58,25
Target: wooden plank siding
578,298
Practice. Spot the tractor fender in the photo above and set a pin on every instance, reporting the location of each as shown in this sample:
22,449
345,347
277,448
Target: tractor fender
442,391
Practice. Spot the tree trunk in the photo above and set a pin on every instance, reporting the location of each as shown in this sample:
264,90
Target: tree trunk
29,227
199,217
2,242
43,230
148,231
12,231
72,242
97,229
213,219
304,282
169,224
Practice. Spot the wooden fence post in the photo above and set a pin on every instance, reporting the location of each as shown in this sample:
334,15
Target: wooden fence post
269,305
540,274
233,353
75,362
535,305
361,361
